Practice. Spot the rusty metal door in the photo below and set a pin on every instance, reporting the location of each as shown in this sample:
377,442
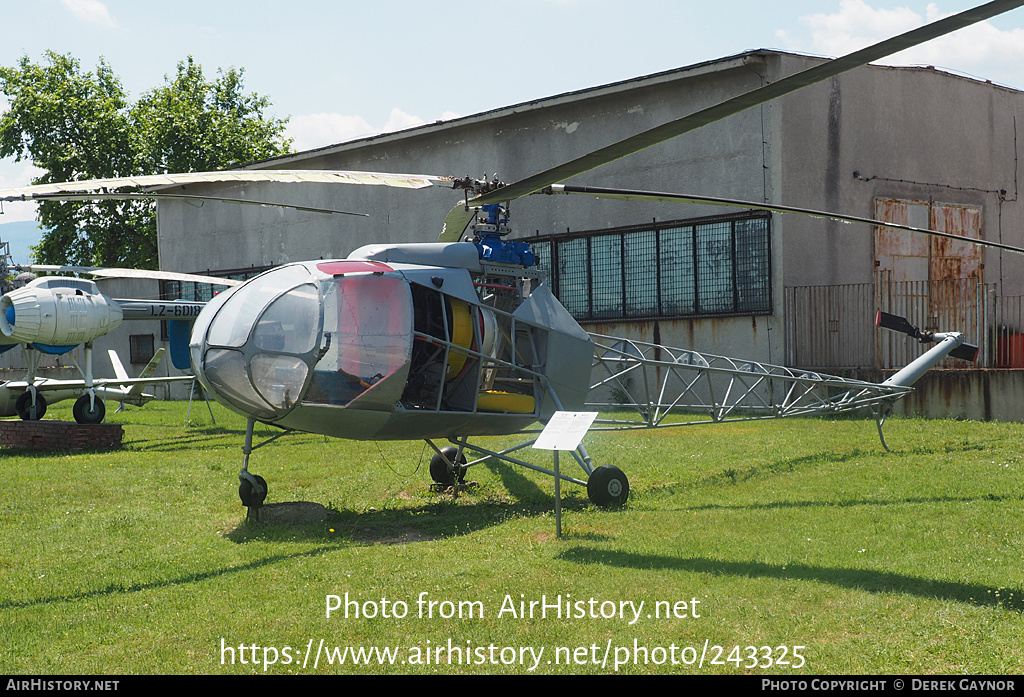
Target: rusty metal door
938,278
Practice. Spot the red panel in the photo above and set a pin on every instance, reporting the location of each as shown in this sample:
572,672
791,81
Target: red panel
339,268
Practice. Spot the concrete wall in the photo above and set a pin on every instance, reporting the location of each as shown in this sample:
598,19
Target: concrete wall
725,159
914,134
981,394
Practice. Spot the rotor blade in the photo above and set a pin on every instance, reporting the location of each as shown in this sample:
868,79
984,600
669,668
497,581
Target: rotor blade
456,221
896,323
965,351
747,100
405,181
662,197
103,272
131,196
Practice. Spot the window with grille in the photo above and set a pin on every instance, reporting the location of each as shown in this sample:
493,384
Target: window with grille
201,292
689,268
141,348
204,292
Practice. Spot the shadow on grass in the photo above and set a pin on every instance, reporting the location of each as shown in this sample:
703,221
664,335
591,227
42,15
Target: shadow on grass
462,513
338,529
735,475
855,579
517,484
182,438
195,577
855,502
447,517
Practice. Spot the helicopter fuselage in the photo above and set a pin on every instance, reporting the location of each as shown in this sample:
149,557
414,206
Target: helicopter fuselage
393,343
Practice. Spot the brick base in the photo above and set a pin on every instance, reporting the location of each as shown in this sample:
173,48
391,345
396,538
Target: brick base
60,435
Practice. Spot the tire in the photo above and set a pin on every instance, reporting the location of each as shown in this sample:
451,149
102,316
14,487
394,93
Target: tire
84,414
247,492
24,404
608,487
440,470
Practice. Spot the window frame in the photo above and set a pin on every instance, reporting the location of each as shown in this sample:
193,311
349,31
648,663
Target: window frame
141,348
736,298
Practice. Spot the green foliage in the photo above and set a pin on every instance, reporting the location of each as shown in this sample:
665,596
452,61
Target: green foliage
82,125
192,124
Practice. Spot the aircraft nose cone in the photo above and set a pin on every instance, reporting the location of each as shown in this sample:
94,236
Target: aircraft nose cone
10,315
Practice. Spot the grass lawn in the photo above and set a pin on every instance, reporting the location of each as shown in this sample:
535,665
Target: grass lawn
787,547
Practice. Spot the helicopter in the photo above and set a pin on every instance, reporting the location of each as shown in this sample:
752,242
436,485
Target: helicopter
458,339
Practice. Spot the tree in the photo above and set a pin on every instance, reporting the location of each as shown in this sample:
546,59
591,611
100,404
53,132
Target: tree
79,125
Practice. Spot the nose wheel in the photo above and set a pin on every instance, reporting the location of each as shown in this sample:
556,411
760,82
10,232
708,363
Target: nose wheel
252,489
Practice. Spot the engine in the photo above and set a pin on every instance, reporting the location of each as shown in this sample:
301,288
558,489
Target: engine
57,312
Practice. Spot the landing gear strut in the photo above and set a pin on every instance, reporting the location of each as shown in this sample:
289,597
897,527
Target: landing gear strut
252,488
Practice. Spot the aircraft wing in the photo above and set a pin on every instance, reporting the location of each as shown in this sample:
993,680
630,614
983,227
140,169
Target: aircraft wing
53,384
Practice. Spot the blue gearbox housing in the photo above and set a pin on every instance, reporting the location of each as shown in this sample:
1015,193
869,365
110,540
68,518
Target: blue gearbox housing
490,242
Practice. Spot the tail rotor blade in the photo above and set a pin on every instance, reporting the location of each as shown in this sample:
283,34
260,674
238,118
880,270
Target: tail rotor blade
897,324
965,352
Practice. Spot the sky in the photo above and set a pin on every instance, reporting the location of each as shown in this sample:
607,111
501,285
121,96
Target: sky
340,69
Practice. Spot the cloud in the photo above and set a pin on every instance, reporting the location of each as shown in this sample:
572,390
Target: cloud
399,121
318,130
91,11
14,175
981,49
857,25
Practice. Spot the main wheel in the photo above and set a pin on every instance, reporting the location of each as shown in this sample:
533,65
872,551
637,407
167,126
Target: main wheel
608,487
441,472
23,406
86,413
251,498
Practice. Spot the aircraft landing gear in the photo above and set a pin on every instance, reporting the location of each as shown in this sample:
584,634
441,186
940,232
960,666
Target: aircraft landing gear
252,489
29,410
89,410
448,466
608,487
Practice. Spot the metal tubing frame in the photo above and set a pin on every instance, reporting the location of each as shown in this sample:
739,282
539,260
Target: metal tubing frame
503,455
733,390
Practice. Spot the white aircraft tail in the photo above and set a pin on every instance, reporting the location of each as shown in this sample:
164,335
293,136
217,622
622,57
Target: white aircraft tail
134,394
115,361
